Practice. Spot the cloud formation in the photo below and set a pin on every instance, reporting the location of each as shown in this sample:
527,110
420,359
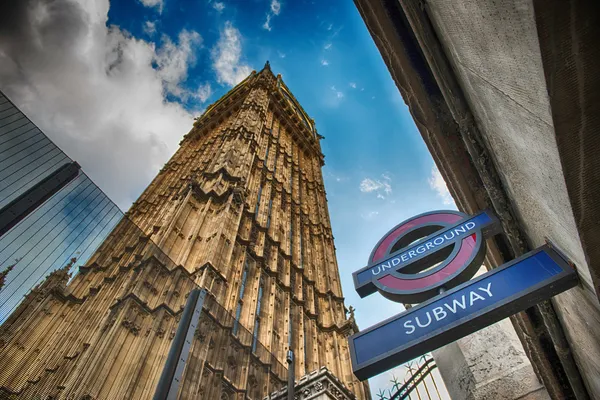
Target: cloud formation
99,93
338,94
274,10
267,24
150,27
381,187
173,60
226,56
275,7
219,6
158,4
437,183
369,215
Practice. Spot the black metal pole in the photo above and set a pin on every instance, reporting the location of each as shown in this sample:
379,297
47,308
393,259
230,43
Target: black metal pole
168,385
291,374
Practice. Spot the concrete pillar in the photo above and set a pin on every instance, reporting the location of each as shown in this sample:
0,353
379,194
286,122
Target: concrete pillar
489,364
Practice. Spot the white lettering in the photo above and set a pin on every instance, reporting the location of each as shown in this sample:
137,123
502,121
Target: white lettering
404,257
439,311
488,290
460,229
395,262
474,297
412,254
422,250
456,304
385,266
378,270
435,241
446,235
428,320
429,245
470,225
408,324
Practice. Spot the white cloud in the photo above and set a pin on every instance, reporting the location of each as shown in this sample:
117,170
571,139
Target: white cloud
324,62
219,6
274,10
153,3
369,215
204,92
381,187
150,27
437,183
226,56
352,85
338,94
173,60
330,27
327,46
275,7
267,24
280,54
93,90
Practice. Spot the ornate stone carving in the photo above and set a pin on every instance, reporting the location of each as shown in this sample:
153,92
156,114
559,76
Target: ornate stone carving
315,383
197,213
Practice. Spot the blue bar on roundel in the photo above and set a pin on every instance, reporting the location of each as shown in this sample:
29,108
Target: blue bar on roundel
475,304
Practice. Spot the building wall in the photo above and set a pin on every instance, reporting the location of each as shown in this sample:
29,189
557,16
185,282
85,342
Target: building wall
509,113
494,50
240,210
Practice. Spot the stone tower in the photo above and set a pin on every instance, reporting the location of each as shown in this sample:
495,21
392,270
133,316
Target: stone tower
240,210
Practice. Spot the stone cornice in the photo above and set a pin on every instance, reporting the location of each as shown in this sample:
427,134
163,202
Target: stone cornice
317,385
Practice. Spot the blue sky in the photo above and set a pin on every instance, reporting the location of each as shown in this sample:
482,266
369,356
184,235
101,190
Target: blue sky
116,85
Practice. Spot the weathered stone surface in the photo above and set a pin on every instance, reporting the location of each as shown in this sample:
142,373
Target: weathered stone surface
240,210
320,384
489,364
483,72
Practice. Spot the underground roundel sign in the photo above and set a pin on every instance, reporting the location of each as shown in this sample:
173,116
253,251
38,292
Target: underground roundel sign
425,255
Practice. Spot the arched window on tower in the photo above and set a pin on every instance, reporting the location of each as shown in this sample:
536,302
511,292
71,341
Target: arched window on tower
269,215
301,263
238,309
258,201
306,366
257,318
291,232
290,323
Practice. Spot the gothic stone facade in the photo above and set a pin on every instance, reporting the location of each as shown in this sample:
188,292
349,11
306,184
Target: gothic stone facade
240,210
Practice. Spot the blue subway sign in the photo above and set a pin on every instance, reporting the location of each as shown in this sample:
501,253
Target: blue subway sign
460,310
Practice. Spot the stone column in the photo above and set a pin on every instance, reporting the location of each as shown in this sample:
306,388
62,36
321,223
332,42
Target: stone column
489,364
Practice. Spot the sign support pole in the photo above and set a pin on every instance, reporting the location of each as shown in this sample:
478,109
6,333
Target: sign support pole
170,378
291,374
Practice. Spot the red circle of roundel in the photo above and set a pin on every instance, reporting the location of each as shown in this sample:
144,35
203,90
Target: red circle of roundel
444,268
